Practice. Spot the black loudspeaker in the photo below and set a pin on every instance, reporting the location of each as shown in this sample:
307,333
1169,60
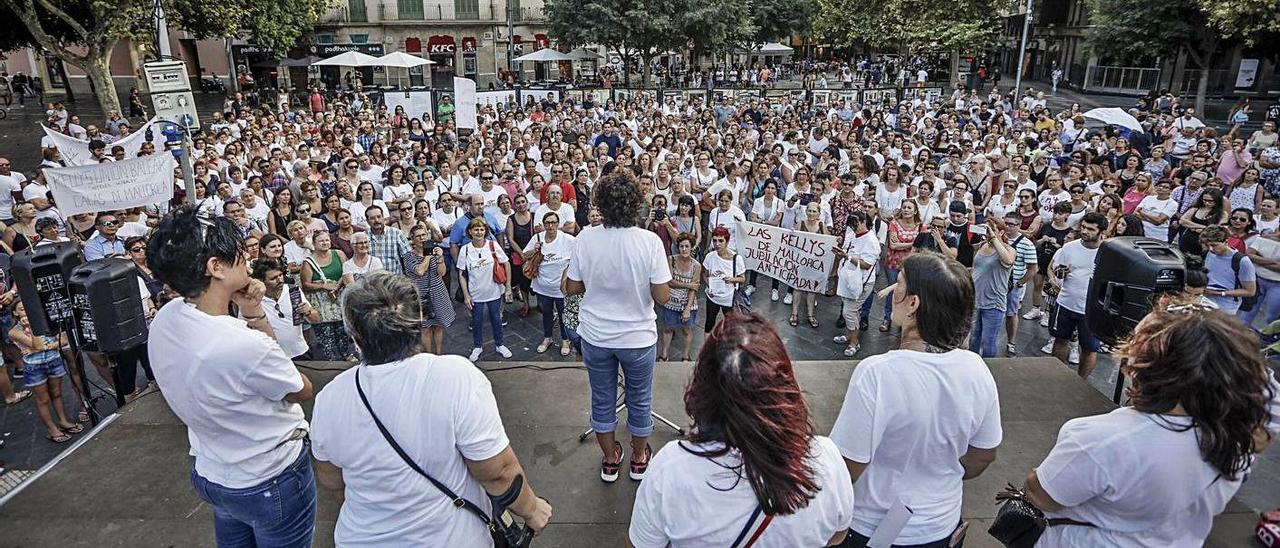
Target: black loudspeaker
106,303
41,275
1127,274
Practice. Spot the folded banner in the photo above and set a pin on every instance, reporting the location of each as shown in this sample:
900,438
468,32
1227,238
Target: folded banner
464,100
75,152
802,260
112,185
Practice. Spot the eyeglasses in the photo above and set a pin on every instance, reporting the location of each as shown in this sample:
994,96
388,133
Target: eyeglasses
138,249
304,210
1025,197
406,210
1011,186
1241,219
109,223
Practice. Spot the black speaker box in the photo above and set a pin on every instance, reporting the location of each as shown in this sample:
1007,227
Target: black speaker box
107,305
41,275
1128,272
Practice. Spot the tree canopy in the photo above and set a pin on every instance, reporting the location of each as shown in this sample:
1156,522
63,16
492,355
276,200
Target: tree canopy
911,25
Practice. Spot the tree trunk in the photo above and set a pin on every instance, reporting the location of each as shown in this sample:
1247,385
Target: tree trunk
955,67
645,71
99,72
66,82
1202,89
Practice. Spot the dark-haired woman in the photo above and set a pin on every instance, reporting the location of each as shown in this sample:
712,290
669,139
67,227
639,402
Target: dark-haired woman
1155,473
903,449
424,264
1208,210
751,466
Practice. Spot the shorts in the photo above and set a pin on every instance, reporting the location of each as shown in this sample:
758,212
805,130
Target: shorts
1014,303
852,309
671,318
37,374
1064,323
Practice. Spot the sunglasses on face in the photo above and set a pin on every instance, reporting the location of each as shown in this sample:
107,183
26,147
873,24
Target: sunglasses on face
304,210
109,223
140,249
1241,219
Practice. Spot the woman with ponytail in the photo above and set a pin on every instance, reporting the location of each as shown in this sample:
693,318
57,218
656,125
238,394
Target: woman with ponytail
751,471
1202,403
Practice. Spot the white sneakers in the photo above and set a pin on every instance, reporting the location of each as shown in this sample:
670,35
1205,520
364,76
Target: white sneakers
774,296
1074,357
1033,314
502,351
1048,347
750,290
787,299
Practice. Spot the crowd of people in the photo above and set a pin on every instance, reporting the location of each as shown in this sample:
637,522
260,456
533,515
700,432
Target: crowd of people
340,230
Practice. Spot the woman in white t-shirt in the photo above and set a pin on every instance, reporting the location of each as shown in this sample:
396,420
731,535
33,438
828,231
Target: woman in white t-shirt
751,466
724,270
480,292
726,215
903,450
361,262
562,210
1156,472
768,209
556,248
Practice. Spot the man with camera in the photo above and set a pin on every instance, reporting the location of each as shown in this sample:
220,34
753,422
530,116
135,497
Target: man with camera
228,380
393,430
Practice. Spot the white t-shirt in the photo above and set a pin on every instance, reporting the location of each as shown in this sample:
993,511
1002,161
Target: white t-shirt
1048,199
718,269
491,200
564,212
765,212
1140,483
555,259
1268,248
618,265
373,174
856,281
911,416
34,190
690,500
728,219
441,410
478,263
350,267
1075,289
1154,205
8,185
393,193
230,396
280,316
359,215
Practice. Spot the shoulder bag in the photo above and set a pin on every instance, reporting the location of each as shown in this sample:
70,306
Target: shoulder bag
504,530
534,263
1018,523
741,300
499,268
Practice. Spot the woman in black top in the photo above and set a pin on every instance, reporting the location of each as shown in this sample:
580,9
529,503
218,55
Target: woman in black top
519,232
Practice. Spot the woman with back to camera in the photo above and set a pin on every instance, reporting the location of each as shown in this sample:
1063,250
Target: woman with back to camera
751,467
903,449
1156,472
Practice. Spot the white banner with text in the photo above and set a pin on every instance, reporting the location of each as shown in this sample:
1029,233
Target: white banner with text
112,185
802,260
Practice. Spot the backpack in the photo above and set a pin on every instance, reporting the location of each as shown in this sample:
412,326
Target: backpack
1246,303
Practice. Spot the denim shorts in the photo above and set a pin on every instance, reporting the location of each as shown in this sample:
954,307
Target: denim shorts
1014,303
38,373
671,318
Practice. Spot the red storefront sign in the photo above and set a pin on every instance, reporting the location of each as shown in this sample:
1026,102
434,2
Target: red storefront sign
413,45
469,44
441,45
540,41
517,43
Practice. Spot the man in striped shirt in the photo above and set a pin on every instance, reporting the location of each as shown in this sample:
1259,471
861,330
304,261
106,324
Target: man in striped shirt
1024,270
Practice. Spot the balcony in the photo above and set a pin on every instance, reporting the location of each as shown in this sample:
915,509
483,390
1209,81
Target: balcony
493,11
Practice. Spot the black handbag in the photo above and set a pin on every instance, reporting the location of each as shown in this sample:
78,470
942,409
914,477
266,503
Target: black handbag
1018,523
505,531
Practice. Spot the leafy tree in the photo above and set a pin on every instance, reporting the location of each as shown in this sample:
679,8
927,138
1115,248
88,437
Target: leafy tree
1254,21
777,19
912,26
636,28
83,32
1138,28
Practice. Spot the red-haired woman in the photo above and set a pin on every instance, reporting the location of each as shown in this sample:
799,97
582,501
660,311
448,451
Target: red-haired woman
751,469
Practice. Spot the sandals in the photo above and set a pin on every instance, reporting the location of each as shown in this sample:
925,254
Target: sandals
813,322
74,429
794,321
60,438
686,358
662,358
544,345
83,416
884,326
851,350
20,397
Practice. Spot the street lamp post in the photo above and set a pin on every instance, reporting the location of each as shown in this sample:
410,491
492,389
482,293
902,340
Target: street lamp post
1022,54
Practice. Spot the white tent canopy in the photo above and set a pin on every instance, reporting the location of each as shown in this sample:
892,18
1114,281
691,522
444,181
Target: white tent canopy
1114,116
400,59
546,55
771,48
348,59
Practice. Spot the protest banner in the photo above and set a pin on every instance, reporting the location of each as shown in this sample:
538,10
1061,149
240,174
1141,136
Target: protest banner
802,260
112,185
464,100
75,152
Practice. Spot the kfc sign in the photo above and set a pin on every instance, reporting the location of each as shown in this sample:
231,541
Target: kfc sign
441,45
469,44
540,41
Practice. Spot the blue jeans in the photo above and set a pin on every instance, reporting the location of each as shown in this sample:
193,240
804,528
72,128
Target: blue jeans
986,331
552,313
277,513
890,278
637,372
1268,298
494,308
